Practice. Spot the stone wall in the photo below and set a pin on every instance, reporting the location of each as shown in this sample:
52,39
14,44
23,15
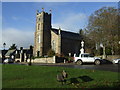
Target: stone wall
17,59
44,60
54,37
53,59
111,57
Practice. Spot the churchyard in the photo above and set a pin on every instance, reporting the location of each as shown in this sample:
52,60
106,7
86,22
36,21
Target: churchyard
99,36
23,76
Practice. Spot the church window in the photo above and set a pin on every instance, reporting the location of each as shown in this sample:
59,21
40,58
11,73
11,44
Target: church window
53,45
38,26
39,39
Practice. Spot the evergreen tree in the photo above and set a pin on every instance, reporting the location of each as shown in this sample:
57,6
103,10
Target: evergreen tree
13,47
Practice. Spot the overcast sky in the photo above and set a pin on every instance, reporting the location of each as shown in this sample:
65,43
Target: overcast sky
18,18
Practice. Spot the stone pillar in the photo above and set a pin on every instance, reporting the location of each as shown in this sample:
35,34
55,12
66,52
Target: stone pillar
25,57
59,42
21,54
54,59
20,57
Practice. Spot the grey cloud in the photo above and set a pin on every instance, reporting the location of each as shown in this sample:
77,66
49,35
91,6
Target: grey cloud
23,38
72,22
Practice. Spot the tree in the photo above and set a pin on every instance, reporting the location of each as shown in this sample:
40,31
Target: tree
104,28
81,32
13,47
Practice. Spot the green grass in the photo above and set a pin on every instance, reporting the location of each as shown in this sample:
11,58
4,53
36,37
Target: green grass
21,76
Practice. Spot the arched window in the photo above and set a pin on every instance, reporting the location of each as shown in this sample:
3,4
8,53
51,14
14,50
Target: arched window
38,38
38,26
53,45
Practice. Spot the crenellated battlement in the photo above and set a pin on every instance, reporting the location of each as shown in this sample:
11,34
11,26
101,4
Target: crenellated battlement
43,12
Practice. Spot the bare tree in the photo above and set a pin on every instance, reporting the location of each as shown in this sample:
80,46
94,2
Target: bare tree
104,28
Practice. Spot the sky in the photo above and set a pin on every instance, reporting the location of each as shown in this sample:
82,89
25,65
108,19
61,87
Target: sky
18,18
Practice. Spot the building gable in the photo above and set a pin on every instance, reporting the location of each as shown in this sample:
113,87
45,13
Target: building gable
67,34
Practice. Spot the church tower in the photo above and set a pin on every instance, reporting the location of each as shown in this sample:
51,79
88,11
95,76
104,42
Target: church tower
42,33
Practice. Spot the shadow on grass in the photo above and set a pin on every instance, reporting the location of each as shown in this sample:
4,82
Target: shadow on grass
83,78
79,82
74,80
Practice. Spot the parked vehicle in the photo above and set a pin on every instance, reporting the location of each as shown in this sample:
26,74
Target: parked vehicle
8,61
87,58
116,61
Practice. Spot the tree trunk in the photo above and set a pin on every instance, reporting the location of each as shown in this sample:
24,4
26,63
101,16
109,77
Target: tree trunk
104,54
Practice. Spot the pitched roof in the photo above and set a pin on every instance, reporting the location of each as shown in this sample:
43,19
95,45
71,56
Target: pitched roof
10,52
67,34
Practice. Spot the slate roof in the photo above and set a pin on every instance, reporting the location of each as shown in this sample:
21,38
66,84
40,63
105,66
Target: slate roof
10,52
67,34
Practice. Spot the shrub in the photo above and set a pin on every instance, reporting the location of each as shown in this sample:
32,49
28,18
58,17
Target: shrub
51,53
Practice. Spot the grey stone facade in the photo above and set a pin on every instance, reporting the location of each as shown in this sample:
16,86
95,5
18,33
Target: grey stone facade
46,37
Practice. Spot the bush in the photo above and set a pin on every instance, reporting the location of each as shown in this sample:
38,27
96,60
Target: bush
39,57
108,51
51,53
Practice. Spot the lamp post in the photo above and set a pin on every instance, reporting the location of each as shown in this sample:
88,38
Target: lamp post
4,44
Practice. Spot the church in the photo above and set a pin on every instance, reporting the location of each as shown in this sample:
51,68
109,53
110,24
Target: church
46,37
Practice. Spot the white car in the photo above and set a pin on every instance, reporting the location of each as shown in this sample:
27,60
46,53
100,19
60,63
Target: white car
87,58
8,61
116,61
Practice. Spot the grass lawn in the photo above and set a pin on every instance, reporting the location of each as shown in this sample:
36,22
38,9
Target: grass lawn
22,76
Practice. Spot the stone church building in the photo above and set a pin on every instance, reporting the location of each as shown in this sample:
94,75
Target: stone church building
46,37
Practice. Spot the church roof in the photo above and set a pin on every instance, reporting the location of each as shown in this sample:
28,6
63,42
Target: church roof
67,34
10,52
